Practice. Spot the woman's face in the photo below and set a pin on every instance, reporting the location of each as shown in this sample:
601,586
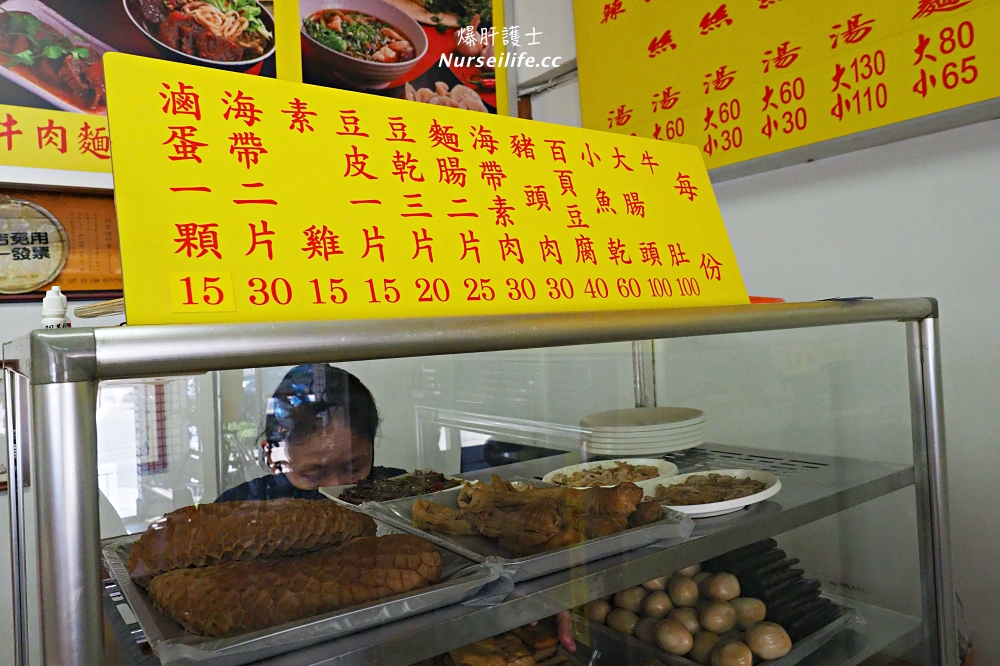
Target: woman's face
331,456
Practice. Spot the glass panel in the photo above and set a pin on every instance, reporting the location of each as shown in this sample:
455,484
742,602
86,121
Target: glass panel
824,411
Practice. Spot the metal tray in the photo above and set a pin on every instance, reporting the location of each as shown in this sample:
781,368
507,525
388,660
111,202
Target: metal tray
399,513
607,641
173,645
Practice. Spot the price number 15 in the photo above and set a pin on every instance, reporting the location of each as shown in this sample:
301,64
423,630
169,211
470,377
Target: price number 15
201,292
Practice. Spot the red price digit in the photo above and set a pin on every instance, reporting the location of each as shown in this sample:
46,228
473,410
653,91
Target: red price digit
596,288
479,290
210,293
524,289
389,292
432,290
559,288
338,295
280,291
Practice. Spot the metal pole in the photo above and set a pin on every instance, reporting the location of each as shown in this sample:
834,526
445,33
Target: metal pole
643,373
930,473
65,436
18,446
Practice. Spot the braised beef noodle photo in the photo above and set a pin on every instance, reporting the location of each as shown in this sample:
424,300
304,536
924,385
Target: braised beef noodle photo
218,30
68,67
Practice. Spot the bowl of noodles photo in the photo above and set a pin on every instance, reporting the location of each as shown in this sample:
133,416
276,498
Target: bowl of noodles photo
358,43
226,34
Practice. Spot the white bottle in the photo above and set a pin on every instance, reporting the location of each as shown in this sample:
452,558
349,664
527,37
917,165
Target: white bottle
54,308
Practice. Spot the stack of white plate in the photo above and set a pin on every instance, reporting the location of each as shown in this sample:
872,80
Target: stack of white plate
643,431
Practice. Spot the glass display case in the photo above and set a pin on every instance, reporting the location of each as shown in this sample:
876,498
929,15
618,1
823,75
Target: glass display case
832,410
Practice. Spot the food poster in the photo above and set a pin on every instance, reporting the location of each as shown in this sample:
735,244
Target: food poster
52,88
440,52
743,80
307,203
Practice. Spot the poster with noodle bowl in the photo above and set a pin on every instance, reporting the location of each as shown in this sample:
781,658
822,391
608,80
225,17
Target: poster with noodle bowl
52,94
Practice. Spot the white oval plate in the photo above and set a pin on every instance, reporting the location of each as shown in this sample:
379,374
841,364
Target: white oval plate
640,441
645,446
729,506
642,418
667,469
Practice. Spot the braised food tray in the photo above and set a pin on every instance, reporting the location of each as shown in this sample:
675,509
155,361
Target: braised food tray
399,514
461,579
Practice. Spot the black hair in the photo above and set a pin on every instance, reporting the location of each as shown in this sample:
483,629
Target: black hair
310,396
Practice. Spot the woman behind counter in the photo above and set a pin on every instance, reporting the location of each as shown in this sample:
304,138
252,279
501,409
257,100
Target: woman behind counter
327,421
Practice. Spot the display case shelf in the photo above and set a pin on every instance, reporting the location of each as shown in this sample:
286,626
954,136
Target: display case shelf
813,487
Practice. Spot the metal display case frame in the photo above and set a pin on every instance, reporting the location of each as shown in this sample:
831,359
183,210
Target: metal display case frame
51,403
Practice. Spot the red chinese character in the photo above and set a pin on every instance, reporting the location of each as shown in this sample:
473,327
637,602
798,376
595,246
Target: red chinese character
321,242
575,218
709,112
183,143
201,238
398,129
589,156
247,147
300,116
665,100
502,210
415,204
441,135
920,87
620,160
92,140
928,7
558,154
241,107
492,173
838,75
677,255
604,202
522,146
566,181
685,187
619,116
647,160
181,101
470,244
483,138
511,247
922,44
406,166
356,164
52,135
550,248
616,251
855,31
351,123
716,19
468,213
585,250
370,245
711,267
768,94
660,44
764,4
722,80
650,254
536,196
423,243
255,237
450,171
633,205
783,58
611,11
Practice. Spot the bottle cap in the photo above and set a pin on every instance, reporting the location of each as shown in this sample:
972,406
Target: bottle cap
54,304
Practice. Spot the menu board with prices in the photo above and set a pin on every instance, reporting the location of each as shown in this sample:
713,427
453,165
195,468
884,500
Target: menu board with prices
742,80
246,199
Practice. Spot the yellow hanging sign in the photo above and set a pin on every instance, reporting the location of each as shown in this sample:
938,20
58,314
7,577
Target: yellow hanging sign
243,199
742,80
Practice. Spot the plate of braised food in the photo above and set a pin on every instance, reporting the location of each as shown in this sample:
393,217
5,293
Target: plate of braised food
716,492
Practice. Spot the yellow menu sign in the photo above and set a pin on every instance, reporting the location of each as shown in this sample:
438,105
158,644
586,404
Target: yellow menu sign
247,199
742,80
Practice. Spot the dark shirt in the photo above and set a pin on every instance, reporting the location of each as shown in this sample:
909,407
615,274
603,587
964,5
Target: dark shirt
276,486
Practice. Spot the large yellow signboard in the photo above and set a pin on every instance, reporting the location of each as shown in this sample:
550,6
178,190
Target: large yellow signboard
246,199
745,79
